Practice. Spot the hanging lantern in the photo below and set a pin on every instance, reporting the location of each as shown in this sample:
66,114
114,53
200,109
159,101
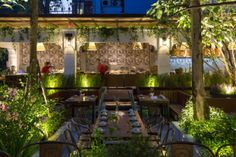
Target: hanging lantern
91,46
40,47
137,46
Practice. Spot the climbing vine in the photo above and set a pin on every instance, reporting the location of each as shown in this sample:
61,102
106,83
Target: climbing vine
105,33
23,32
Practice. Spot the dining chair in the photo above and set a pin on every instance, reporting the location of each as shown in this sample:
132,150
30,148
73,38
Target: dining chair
4,154
53,149
222,148
131,97
81,137
165,136
184,149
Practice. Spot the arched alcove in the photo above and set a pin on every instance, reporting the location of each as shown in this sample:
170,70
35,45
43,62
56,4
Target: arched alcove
3,59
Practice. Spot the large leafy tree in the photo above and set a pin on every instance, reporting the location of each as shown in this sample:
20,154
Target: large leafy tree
218,25
181,19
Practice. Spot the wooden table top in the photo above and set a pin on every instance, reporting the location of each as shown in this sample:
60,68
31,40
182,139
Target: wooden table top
122,128
154,99
79,98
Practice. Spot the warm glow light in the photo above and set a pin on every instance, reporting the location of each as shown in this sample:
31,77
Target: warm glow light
92,46
229,89
232,46
40,47
137,46
121,113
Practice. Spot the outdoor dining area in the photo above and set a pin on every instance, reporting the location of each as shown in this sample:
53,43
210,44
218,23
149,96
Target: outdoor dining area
117,78
120,122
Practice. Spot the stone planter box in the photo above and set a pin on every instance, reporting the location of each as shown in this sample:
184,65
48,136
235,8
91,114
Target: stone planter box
180,135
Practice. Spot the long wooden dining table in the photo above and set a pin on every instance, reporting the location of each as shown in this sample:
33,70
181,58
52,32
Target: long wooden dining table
119,126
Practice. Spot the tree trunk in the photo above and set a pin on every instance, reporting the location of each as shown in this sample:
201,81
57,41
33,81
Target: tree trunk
33,42
201,110
34,77
229,62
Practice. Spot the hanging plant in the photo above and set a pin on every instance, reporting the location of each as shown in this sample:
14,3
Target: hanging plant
7,30
83,32
23,32
133,33
105,33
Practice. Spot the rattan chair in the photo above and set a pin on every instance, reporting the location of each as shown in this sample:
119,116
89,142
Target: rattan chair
4,154
131,97
221,149
165,136
83,135
184,149
53,149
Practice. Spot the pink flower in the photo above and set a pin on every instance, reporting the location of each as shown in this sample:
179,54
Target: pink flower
3,107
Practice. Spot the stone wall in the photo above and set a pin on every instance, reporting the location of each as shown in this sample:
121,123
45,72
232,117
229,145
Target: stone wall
120,55
53,54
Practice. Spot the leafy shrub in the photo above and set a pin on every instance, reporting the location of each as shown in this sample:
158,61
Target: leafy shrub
181,80
137,147
25,118
215,78
218,130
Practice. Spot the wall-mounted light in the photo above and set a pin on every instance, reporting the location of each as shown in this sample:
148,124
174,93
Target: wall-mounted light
91,46
40,47
137,46
69,36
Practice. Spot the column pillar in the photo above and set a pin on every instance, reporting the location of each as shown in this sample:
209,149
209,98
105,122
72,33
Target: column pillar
69,48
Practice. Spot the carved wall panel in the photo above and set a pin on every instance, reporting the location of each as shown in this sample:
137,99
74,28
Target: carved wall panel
120,55
53,54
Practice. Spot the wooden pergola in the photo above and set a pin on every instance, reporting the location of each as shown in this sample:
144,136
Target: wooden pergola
71,21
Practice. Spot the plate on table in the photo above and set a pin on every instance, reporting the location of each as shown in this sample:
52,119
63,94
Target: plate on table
103,118
136,124
103,113
103,110
133,118
136,130
130,110
153,97
102,124
132,114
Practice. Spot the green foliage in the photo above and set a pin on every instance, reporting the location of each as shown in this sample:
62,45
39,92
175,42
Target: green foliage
105,33
25,118
8,31
217,21
217,24
4,31
88,80
173,80
150,80
218,130
215,78
137,147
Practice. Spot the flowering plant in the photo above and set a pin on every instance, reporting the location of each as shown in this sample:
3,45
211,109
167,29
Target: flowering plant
24,118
